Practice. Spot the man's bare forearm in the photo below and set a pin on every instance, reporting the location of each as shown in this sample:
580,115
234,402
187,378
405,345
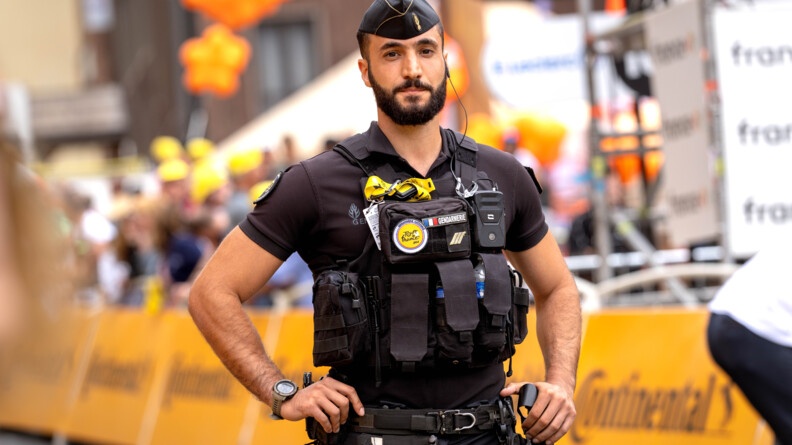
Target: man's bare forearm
233,337
558,327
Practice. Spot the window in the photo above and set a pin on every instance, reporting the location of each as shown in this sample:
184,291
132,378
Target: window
286,59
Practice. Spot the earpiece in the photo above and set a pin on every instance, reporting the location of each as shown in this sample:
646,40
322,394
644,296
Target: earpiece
448,75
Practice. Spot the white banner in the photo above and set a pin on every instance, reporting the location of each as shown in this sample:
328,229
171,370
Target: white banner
674,40
540,61
753,49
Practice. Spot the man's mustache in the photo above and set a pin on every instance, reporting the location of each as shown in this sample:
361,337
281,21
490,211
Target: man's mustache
412,83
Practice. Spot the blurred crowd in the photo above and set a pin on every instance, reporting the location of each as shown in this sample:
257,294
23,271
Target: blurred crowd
149,246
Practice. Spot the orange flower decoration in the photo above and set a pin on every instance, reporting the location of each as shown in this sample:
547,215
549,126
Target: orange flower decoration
235,14
214,61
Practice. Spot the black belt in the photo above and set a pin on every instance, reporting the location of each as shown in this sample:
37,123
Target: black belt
440,422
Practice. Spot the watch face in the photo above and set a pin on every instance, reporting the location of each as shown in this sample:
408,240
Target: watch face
285,387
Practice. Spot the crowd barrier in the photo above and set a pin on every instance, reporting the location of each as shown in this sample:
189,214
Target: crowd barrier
127,377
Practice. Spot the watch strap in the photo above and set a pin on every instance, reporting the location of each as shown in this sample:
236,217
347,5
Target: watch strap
276,409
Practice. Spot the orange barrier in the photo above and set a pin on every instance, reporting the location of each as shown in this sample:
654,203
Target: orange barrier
124,376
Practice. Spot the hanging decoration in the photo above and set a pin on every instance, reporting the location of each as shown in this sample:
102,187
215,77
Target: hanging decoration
542,135
236,14
214,62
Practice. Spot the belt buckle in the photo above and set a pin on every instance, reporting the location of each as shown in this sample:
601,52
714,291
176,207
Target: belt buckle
451,415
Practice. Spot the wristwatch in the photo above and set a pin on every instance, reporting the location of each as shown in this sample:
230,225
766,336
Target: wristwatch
281,392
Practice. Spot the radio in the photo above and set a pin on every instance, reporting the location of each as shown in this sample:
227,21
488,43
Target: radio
489,223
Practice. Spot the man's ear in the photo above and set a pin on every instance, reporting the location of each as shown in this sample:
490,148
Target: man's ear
364,71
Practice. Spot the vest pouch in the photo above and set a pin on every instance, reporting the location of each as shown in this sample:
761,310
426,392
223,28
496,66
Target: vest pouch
425,231
491,337
521,299
341,328
455,348
493,332
456,316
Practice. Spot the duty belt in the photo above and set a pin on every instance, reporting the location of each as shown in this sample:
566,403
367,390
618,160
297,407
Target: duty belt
439,422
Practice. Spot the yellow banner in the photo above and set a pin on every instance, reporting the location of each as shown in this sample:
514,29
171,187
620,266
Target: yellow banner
646,377
200,401
39,378
120,378
127,377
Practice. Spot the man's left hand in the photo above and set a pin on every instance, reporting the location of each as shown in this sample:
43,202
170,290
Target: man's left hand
552,413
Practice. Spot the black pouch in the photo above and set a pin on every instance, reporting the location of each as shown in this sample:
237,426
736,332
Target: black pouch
492,332
341,328
456,314
520,304
435,230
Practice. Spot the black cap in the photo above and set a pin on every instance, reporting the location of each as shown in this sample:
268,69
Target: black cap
399,19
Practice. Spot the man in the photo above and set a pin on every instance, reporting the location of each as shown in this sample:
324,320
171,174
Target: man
409,364
750,334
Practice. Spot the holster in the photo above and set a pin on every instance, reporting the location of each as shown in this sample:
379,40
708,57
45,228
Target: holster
320,437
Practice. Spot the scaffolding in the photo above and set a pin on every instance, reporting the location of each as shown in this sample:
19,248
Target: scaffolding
636,228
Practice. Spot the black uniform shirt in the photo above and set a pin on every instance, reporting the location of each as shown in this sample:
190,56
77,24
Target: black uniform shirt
316,209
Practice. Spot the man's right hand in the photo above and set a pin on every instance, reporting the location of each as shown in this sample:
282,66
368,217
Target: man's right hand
328,401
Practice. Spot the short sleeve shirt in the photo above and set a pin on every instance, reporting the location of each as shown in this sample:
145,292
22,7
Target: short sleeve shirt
316,208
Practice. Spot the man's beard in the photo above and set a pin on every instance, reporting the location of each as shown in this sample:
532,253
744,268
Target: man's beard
413,113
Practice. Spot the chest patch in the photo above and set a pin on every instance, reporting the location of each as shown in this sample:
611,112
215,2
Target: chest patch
410,236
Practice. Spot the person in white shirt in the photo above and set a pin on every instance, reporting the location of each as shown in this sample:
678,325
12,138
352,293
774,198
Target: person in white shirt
750,334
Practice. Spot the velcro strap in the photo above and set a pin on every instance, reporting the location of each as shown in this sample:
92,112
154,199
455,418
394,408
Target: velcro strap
409,316
497,284
459,286
522,297
329,322
331,344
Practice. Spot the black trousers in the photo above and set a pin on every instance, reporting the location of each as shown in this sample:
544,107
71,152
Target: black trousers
762,369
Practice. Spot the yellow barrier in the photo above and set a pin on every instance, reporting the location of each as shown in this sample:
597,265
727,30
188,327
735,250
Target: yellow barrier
127,377
200,401
37,378
122,378
646,377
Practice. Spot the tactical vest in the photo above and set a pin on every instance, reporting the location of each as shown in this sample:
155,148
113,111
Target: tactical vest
410,302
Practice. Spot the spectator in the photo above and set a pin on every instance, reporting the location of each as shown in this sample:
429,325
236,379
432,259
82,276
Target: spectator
750,334
92,234
135,246
246,169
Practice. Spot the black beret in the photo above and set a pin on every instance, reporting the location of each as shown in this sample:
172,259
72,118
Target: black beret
399,19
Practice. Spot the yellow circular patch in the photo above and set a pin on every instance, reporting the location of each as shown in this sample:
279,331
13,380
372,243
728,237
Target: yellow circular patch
410,236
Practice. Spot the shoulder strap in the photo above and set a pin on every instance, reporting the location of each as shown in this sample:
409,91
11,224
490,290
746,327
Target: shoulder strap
464,151
353,149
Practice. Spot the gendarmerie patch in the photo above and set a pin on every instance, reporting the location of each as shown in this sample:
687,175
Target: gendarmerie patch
445,220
